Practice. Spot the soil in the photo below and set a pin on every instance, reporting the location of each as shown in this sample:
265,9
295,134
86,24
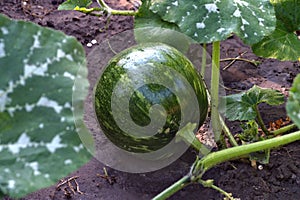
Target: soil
280,179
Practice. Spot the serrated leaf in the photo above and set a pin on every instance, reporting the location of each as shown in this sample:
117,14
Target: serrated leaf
149,27
38,139
293,103
71,4
283,43
242,106
214,20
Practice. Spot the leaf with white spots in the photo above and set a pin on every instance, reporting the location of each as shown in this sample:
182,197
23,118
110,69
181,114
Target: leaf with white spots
149,27
214,20
38,139
283,43
293,103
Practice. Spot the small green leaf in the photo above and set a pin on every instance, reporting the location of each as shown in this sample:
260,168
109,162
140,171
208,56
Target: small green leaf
242,106
71,4
250,135
250,132
214,20
293,103
38,139
150,27
283,43
262,156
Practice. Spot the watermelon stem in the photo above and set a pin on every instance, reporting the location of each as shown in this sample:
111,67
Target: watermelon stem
215,76
215,158
203,64
218,123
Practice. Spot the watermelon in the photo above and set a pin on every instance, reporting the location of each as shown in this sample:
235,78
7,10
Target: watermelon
146,94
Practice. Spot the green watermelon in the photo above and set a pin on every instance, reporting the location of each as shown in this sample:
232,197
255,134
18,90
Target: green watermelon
145,95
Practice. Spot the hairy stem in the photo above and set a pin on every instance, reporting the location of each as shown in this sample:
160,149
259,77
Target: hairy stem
215,158
215,76
228,133
284,129
203,64
260,121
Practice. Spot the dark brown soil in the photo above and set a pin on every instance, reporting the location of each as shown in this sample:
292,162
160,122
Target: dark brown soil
280,179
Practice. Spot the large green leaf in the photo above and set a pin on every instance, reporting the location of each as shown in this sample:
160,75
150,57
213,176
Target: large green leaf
150,27
214,20
283,43
38,139
71,4
146,18
293,103
242,106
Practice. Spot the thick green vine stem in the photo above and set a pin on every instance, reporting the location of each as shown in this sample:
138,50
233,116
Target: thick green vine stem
215,158
215,76
203,64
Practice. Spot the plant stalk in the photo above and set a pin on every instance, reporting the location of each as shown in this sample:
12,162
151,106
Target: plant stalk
260,121
226,194
215,158
88,10
284,129
203,64
215,76
209,184
224,126
181,183
228,133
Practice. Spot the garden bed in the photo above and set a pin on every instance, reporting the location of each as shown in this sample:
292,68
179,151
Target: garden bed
280,179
